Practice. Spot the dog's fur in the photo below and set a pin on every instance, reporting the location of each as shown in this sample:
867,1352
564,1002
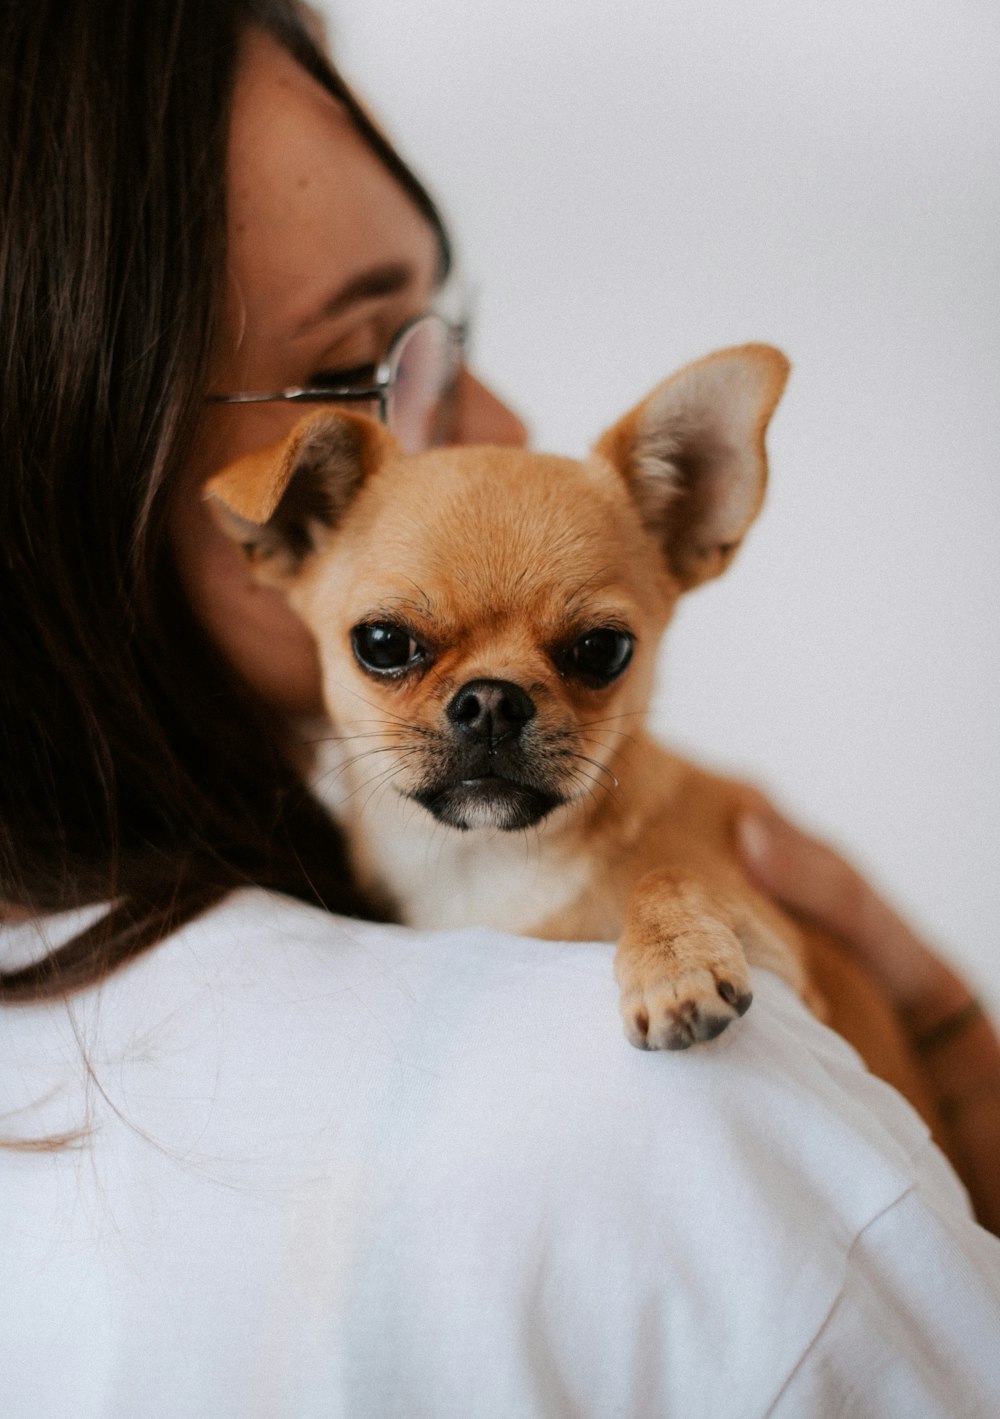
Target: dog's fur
492,777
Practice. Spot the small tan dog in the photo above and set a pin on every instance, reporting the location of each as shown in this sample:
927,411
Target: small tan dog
488,621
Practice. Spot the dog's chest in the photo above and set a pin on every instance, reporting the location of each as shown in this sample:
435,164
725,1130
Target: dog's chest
445,878
440,877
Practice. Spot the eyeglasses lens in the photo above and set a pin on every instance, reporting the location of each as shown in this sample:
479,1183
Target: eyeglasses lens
425,365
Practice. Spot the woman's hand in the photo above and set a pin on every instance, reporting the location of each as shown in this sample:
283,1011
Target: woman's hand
808,876
953,1042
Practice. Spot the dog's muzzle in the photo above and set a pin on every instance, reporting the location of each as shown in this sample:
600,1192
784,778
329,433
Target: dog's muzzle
489,782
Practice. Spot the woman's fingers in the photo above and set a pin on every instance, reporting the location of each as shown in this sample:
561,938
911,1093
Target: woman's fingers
811,878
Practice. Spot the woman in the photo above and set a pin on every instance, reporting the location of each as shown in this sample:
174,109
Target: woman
333,1163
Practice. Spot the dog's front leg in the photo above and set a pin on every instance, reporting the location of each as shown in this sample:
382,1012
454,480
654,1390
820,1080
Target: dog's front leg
681,963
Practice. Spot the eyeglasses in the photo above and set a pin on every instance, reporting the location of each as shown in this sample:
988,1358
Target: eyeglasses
413,386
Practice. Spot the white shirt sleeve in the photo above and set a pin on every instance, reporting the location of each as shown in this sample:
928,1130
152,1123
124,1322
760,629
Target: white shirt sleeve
914,1331
332,1168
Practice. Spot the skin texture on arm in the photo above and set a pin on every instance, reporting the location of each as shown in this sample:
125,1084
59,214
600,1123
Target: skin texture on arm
951,1040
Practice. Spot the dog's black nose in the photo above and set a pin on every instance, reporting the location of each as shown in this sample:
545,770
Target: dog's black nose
490,710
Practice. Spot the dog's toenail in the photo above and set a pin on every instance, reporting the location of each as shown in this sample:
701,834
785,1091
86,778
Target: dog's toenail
714,1026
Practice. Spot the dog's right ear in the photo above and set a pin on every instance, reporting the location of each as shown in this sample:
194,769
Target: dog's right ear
278,502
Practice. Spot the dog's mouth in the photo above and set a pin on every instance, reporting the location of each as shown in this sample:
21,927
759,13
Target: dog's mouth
487,801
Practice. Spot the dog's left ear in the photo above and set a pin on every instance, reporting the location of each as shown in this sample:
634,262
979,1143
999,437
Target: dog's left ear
693,455
278,501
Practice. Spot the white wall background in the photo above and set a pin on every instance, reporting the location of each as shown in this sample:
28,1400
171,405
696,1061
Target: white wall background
632,185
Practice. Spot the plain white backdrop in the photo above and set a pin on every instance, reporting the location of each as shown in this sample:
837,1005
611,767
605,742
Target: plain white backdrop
631,186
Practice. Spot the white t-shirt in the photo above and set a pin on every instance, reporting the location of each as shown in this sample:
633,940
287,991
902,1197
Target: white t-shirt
341,1169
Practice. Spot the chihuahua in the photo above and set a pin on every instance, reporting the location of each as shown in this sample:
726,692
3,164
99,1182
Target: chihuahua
488,621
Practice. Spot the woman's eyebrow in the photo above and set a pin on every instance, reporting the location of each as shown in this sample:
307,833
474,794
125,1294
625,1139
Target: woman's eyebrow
387,279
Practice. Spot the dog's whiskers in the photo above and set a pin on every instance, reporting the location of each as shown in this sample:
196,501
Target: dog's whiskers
375,784
602,768
602,780
612,718
329,780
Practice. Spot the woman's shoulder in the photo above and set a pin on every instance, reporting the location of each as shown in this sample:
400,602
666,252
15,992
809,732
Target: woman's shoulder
439,1148
464,1003
268,997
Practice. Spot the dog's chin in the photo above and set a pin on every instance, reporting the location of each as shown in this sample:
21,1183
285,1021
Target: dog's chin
487,802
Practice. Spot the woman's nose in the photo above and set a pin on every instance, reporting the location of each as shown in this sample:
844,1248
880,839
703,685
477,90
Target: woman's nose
483,418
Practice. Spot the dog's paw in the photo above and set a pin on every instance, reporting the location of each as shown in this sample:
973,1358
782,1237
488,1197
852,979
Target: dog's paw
687,997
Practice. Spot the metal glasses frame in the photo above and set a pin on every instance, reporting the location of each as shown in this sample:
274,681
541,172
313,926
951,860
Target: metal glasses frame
379,391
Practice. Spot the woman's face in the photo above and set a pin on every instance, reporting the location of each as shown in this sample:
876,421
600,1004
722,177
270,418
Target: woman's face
328,257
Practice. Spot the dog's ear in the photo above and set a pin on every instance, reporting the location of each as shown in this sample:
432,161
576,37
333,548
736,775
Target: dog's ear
277,502
693,455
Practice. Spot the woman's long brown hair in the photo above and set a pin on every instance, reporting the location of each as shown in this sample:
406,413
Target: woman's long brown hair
136,769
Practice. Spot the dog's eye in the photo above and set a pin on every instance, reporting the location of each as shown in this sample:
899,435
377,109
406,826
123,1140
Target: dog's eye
598,657
385,648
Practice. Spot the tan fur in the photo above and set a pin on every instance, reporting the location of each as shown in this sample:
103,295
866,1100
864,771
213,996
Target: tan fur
493,560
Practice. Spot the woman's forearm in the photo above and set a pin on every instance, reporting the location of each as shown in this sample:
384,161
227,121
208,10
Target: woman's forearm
952,1040
958,1050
